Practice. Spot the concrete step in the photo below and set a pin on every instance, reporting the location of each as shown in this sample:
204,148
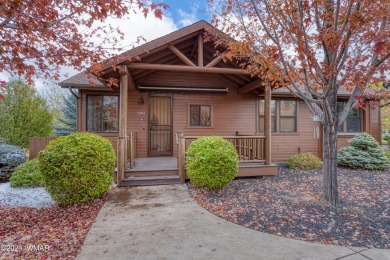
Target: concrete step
151,180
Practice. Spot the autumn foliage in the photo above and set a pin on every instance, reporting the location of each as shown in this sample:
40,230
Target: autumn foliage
37,37
315,48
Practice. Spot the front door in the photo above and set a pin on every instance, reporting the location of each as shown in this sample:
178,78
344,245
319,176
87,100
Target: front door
160,125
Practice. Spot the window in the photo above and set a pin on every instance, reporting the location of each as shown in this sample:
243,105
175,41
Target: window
102,113
353,123
200,115
288,116
273,116
283,116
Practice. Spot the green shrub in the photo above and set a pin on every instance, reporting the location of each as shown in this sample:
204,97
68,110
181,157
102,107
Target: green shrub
78,167
387,139
387,154
363,152
212,162
304,161
27,175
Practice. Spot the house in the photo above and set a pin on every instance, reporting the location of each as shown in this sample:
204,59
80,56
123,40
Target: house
179,90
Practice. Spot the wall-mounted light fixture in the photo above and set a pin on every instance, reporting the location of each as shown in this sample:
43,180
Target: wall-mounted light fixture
141,100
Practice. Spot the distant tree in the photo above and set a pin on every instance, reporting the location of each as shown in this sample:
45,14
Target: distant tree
54,97
386,117
23,114
68,119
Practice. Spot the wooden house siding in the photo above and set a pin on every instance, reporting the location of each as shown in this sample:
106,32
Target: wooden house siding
304,140
230,113
371,125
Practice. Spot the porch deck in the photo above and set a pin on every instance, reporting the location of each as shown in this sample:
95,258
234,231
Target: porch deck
155,163
164,170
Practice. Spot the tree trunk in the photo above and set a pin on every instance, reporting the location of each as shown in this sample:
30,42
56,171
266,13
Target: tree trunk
329,168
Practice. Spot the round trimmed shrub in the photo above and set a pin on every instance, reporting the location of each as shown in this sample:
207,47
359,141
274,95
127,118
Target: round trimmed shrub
363,152
304,161
77,168
11,156
212,162
27,175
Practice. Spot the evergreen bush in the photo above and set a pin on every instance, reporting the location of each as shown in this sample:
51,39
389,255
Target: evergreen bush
363,152
212,162
27,175
11,156
77,168
304,161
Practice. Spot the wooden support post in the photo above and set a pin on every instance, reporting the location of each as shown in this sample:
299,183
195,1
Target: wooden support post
122,142
267,123
181,158
200,50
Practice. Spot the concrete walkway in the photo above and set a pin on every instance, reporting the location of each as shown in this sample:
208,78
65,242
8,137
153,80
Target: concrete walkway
163,222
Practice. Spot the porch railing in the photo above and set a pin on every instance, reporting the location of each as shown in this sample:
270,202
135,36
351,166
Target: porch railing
249,149
131,149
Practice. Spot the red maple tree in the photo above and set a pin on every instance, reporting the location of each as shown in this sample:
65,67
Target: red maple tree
314,48
37,38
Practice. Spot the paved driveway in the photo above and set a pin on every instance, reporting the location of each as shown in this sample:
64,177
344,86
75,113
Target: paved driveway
163,222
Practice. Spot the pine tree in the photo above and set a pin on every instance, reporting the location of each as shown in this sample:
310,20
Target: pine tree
68,120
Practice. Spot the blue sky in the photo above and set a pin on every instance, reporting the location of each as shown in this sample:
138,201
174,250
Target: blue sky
185,12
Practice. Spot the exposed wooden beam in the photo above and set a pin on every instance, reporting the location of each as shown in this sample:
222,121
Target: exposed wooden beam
200,50
250,86
132,85
214,62
194,48
181,56
123,70
181,68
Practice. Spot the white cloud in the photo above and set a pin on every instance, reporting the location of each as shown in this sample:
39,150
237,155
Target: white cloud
137,25
187,18
134,26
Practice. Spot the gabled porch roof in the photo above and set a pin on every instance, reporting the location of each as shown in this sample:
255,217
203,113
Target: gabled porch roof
183,54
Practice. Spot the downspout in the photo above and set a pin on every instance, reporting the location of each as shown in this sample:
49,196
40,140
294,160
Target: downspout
77,107
73,93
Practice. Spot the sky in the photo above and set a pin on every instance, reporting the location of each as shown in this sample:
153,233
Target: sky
180,13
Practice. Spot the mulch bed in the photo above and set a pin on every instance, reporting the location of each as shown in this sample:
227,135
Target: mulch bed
56,232
290,205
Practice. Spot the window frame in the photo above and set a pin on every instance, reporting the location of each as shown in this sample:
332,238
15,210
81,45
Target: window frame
102,114
295,117
277,116
200,126
344,126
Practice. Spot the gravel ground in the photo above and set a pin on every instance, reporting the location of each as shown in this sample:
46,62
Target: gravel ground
290,205
27,197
